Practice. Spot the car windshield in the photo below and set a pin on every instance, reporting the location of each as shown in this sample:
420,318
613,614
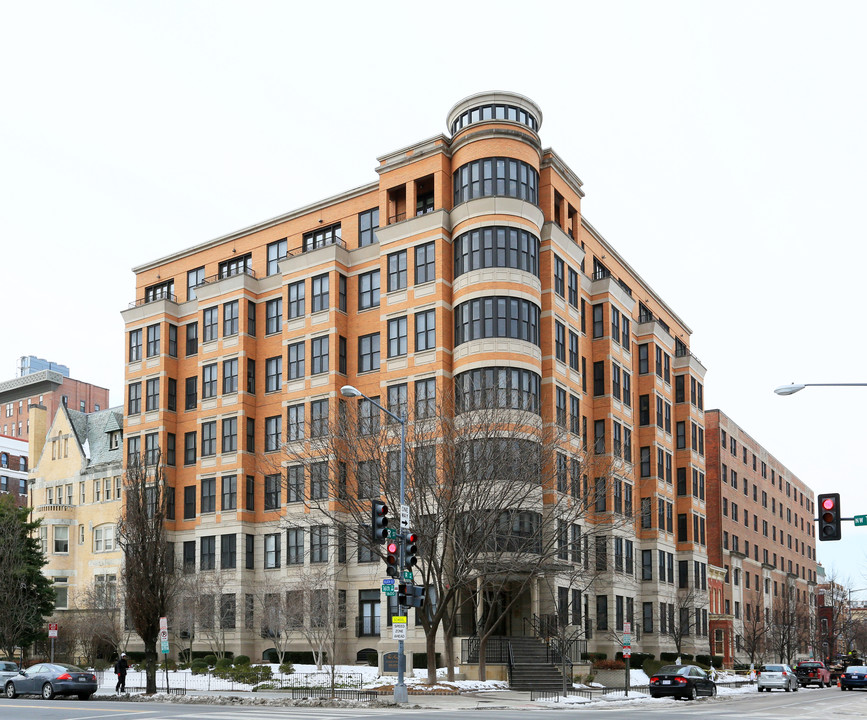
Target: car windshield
68,668
8,666
774,668
810,665
860,669
673,670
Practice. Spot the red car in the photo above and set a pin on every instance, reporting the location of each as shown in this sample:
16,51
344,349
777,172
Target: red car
813,672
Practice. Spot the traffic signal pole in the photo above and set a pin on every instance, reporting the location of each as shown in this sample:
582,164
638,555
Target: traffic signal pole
400,692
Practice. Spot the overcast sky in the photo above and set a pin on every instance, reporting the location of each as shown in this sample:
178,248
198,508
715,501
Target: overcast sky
721,147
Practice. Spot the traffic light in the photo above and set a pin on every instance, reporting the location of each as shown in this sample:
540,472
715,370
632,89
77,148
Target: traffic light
379,521
409,595
829,516
391,557
410,550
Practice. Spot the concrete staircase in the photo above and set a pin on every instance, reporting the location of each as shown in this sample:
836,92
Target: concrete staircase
532,669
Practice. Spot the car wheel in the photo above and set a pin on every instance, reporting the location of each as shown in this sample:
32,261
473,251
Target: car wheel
692,694
10,691
47,691
84,696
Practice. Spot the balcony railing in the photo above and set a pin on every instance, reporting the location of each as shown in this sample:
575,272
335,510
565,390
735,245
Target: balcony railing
602,273
400,217
227,273
155,297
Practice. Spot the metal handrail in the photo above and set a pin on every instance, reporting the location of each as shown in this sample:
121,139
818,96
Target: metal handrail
171,297
511,661
227,274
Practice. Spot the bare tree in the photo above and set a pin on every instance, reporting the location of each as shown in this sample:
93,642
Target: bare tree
783,633
184,613
683,621
754,628
834,595
276,598
490,487
96,620
217,610
148,575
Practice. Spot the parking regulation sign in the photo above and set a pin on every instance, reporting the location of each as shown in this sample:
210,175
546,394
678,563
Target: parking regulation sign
52,630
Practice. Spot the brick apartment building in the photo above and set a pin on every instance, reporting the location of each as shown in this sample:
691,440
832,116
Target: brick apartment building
761,530
467,263
40,382
13,468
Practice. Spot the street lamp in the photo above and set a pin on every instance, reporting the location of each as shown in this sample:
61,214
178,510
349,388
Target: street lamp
350,391
792,388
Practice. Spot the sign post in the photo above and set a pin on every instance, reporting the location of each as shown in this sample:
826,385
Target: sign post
627,652
52,633
164,646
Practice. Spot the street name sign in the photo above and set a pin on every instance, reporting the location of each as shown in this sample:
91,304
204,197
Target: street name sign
860,520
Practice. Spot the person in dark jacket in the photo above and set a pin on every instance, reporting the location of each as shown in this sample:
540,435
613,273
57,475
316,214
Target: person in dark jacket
120,668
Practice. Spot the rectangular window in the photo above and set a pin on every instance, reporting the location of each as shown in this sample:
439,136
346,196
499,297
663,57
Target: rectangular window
230,376
643,360
295,483
276,253
573,288
192,330
295,422
368,223
368,290
424,263
272,551
153,347
574,356
425,398
190,448
210,319
273,431
295,353
230,318
319,355
319,292
208,501
173,340
319,418
560,341
273,374
559,279
397,337
295,546
209,438
368,353
209,381
560,406
599,378
134,348
397,401
396,270
321,237
272,492
229,496
598,323
230,435
191,393
319,480
297,300
319,544
425,330
134,399
274,315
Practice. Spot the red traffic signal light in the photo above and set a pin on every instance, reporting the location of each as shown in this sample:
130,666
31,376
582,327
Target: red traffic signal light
410,550
391,559
829,517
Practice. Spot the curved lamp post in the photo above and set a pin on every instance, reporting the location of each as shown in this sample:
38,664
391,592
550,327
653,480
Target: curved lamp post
400,690
792,388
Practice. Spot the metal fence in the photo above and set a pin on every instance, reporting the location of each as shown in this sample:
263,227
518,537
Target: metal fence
299,685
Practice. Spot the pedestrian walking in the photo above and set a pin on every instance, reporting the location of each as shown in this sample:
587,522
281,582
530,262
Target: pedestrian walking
120,668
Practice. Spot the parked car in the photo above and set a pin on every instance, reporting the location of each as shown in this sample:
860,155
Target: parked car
813,672
51,679
8,669
780,677
681,681
854,677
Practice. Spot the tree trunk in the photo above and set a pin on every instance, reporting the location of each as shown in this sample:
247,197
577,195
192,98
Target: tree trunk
450,651
430,649
483,644
150,667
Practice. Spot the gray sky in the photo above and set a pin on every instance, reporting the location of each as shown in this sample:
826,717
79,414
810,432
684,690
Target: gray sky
721,146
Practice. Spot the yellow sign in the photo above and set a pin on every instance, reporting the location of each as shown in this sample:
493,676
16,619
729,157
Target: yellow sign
398,619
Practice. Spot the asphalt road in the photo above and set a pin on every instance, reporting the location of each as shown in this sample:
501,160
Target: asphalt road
808,704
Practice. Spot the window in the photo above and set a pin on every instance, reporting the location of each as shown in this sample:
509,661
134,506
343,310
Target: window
319,480
397,401
153,347
152,449
134,350
368,223
295,354
192,338
230,435
273,374
319,355
368,353
559,279
189,448
319,288
230,376
209,438
295,422
103,538
425,398
319,418
397,337
424,263
191,395
273,431
425,331
396,270
209,381
599,378
272,492
208,502
319,544
573,288
598,322
134,398
489,317
560,406
368,417
322,236
560,341
229,498
207,556
209,321
295,483
496,247
194,279
230,318
274,314
368,290
272,551
276,253
295,546
189,502
496,176
643,360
